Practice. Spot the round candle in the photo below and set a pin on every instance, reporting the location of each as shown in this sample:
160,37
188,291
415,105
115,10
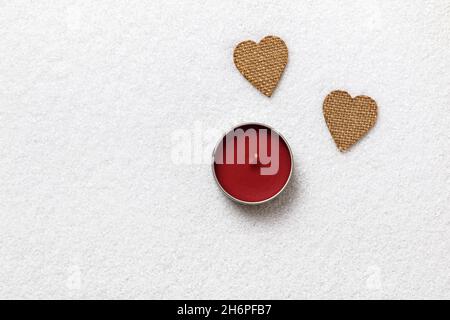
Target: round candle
252,163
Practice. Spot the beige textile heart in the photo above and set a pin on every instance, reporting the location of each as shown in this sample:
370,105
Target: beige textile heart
347,118
263,63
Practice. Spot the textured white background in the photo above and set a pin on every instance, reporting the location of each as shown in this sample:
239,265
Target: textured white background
92,206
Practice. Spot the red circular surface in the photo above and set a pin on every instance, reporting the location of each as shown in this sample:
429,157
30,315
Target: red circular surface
245,182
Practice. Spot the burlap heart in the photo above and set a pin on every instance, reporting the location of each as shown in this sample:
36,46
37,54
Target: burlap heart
263,63
347,118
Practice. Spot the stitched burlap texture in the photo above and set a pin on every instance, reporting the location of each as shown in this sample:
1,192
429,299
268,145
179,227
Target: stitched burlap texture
262,64
347,118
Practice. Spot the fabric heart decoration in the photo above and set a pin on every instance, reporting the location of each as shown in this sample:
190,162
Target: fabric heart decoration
347,118
263,63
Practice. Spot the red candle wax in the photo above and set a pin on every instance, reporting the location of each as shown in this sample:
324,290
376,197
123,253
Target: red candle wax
252,163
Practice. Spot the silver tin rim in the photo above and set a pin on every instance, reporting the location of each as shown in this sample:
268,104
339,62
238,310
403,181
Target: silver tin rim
257,202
